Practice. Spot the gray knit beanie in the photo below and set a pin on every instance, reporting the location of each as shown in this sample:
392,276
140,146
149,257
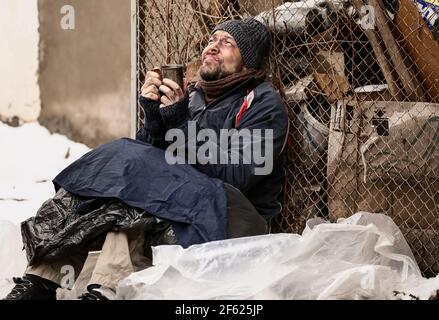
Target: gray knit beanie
252,38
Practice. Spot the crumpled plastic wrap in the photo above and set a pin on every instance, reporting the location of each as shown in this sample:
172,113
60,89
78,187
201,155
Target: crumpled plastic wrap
361,257
12,257
58,230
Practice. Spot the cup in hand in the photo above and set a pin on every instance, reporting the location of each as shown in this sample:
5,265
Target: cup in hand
173,72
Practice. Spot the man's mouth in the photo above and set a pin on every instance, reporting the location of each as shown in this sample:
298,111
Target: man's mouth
210,59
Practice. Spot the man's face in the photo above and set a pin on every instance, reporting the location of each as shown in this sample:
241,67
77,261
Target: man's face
221,57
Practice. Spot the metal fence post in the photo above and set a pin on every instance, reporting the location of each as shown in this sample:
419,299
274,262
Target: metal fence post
133,102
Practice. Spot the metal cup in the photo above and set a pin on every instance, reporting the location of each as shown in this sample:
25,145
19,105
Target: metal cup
173,72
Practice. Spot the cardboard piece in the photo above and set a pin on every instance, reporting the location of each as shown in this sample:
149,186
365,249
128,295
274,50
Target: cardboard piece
329,74
421,46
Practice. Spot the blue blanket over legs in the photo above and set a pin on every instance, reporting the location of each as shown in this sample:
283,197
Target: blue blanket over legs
137,174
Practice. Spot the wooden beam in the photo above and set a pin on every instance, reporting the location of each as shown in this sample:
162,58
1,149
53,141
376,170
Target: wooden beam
380,56
410,84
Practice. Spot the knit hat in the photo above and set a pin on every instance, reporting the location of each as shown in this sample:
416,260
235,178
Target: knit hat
252,38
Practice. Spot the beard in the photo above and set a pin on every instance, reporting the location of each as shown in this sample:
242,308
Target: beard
211,72
214,72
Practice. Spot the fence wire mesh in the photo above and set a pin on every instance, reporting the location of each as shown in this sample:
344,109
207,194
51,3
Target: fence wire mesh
360,79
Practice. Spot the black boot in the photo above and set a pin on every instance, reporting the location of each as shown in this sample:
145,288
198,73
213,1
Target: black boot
92,293
32,287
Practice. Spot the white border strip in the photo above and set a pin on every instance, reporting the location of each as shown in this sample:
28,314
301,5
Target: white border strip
133,101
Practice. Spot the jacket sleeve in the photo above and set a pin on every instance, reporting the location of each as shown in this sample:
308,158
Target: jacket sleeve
174,115
153,131
263,131
159,120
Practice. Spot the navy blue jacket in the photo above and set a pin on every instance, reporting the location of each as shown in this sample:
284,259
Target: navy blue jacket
266,111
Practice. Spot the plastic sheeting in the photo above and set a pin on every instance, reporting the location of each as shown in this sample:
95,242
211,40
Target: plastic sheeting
12,257
59,230
362,257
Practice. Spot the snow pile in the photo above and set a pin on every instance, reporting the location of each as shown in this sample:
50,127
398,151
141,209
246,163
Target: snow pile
30,158
425,289
362,257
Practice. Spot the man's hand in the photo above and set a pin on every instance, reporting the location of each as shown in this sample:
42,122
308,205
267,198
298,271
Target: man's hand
171,93
150,88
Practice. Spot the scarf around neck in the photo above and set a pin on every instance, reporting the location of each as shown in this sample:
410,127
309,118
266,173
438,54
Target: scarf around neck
215,89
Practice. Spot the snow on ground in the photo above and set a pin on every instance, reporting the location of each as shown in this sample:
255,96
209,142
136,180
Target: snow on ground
30,158
426,289
12,257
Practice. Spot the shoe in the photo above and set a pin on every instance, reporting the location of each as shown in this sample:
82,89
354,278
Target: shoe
93,294
31,287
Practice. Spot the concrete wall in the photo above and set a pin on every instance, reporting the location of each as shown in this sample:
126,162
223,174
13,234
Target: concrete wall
85,73
19,93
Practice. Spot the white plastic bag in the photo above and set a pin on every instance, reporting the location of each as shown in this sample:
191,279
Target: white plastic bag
364,256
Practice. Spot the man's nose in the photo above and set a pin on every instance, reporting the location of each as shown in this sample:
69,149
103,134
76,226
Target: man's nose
214,46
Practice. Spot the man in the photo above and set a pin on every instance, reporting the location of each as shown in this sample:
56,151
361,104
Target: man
133,194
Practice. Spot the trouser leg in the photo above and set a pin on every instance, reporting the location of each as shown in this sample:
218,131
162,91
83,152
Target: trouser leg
62,271
121,255
114,262
108,274
136,245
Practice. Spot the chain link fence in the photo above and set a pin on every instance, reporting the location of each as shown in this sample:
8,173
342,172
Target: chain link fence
360,79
